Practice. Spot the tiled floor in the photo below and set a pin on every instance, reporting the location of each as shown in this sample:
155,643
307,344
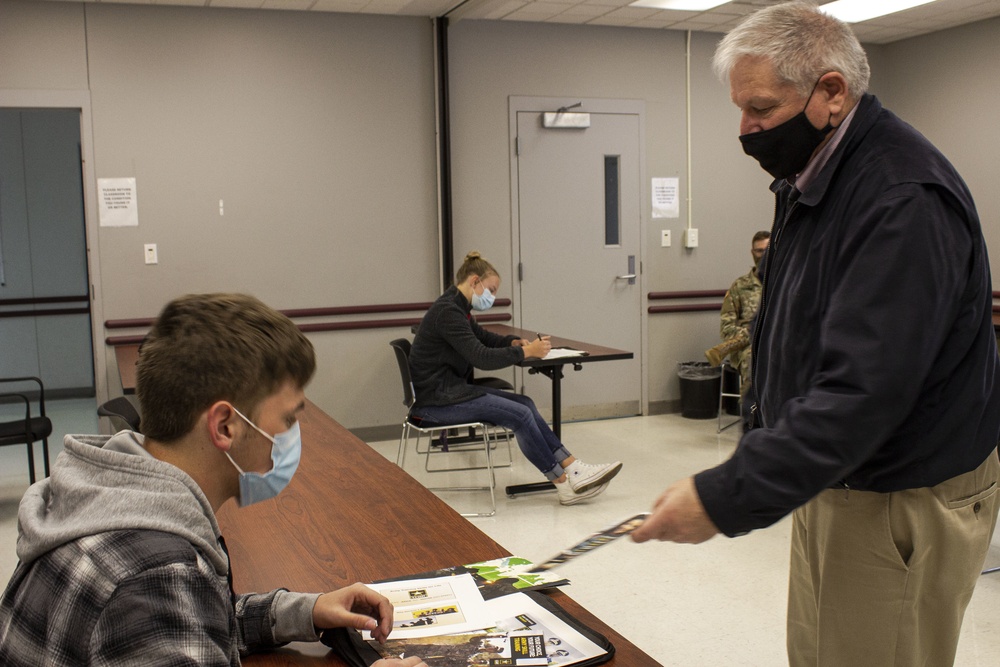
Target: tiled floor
722,602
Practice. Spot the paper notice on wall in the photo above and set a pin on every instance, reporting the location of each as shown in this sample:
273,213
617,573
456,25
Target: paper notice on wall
117,202
665,202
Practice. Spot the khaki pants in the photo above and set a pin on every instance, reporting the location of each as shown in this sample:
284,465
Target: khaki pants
883,579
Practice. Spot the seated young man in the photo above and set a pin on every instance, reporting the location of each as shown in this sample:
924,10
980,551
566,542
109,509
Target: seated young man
121,559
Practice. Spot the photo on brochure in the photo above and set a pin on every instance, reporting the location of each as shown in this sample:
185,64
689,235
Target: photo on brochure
414,617
503,576
525,635
471,650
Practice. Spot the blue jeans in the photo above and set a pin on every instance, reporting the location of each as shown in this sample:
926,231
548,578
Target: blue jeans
514,411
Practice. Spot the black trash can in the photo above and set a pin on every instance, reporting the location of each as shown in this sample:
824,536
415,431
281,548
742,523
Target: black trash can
699,389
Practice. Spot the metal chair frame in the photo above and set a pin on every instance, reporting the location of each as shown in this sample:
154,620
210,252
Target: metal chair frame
36,428
486,440
726,366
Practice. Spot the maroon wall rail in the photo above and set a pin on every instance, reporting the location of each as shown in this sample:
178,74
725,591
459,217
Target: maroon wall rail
322,326
685,307
45,312
705,294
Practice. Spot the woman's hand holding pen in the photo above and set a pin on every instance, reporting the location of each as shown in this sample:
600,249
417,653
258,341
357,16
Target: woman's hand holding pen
538,348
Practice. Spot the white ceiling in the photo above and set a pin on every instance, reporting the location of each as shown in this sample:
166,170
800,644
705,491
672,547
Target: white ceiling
909,23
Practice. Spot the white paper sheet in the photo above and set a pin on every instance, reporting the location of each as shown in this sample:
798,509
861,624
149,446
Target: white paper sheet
665,198
117,203
436,606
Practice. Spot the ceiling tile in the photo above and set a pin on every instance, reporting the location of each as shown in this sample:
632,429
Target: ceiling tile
586,11
938,15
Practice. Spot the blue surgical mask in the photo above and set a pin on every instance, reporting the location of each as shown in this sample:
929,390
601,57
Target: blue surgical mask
286,449
482,301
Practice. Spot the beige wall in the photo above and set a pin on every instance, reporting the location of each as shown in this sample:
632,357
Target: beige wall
942,85
318,132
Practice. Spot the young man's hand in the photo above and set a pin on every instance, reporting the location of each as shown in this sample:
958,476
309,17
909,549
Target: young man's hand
355,606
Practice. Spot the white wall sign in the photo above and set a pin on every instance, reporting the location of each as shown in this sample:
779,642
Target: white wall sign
665,202
118,206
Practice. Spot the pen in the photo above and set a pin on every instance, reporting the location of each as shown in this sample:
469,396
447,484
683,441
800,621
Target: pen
539,336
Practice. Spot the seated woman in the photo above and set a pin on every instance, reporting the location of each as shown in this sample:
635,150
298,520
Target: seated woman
449,343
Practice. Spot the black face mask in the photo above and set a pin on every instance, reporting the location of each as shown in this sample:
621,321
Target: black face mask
785,149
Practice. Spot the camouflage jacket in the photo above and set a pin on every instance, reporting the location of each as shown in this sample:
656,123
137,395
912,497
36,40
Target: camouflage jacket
739,306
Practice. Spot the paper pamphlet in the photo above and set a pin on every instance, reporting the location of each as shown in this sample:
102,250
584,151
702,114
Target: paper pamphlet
523,634
599,539
500,576
423,607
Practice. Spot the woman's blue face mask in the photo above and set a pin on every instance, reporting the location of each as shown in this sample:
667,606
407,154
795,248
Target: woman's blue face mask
482,301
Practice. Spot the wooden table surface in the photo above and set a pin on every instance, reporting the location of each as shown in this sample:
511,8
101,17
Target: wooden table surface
351,515
126,356
594,352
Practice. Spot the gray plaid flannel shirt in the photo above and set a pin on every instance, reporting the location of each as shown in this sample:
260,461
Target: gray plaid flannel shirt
129,597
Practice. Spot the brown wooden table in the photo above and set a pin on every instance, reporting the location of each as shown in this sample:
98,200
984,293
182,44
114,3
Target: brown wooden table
127,356
351,515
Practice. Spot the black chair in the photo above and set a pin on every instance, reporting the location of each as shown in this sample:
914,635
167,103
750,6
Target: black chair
414,426
122,414
29,430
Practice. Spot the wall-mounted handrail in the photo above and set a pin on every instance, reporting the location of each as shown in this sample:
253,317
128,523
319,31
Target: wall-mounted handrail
685,307
33,300
354,325
45,300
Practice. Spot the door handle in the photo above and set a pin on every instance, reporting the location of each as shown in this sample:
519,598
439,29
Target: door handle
630,276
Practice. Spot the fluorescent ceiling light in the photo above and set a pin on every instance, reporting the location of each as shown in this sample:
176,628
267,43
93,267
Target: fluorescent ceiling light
856,11
679,5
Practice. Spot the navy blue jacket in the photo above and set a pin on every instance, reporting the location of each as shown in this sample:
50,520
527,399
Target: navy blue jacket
875,359
448,344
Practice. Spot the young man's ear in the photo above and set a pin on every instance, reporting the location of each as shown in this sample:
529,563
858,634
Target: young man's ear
220,419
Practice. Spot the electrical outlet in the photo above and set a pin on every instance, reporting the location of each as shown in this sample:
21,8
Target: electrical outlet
150,253
690,238
664,238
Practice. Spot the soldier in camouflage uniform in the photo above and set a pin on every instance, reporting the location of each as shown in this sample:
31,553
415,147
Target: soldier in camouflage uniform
738,309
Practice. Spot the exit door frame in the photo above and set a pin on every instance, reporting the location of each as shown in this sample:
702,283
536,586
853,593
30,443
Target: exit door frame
534,104
80,100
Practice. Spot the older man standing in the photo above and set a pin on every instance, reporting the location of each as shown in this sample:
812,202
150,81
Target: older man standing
875,364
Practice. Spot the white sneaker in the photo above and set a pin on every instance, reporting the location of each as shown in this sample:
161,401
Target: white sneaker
567,496
583,476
